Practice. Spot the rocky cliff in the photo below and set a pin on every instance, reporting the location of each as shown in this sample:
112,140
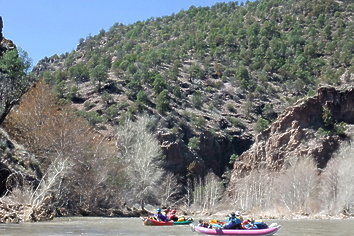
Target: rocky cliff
17,165
5,44
1,25
295,132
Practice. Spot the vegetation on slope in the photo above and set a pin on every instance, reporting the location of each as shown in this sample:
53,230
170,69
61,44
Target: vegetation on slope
267,50
227,70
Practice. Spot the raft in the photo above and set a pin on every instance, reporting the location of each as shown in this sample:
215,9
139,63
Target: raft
239,232
186,222
149,221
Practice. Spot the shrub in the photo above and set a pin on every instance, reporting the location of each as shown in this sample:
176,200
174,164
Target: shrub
198,121
162,102
327,117
112,111
261,125
88,105
107,98
197,100
233,158
194,143
159,84
92,117
340,128
142,97
230,107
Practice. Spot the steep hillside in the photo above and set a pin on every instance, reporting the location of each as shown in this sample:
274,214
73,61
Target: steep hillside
214,76
314,127
18,167
16,164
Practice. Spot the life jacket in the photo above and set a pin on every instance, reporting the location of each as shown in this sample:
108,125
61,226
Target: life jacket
246,224
182,218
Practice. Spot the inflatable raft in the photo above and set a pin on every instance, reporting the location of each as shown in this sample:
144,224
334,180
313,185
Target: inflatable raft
149,221
240,232
186,222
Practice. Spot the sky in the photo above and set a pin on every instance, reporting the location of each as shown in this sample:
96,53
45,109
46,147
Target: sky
47,27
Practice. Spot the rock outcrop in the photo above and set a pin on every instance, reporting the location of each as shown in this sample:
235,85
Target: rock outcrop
5,44
16,164
294,133
1,25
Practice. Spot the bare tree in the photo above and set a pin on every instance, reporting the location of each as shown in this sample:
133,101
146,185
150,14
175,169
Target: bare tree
297,185
170,190
139,149
187,199
337,193
254,191
293,189
53,131
207,192
37,199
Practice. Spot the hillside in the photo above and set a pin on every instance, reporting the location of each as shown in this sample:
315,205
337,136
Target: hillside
216,75
241,90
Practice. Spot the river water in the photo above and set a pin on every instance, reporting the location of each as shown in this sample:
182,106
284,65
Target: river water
134,226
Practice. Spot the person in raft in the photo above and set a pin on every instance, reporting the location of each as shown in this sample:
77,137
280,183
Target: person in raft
171,215
232,222
247,224
159,216
202,223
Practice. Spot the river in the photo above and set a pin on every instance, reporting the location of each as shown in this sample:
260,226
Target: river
134,226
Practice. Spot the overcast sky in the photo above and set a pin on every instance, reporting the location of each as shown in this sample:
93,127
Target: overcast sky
48,27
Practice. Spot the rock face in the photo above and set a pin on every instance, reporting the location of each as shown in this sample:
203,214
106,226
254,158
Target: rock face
213,154
5,44
16,164
293,134
1,28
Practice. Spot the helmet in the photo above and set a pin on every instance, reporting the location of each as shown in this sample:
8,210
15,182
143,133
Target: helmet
158,210
174,211
237,213
232,214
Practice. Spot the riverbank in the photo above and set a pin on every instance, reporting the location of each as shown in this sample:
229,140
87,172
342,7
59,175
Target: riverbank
16,213
12,213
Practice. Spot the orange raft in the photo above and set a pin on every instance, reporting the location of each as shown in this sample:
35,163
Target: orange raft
153,222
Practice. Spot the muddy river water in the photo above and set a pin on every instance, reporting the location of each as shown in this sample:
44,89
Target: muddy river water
134,226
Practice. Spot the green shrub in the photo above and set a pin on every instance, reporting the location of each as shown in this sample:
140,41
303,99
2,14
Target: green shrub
112,111
236,122
323,132
327,117
194,143
198,121
197,100
233,158
73,93
230,107
261,125
142,97
88,105
162,102
340,128
92,117
107,98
